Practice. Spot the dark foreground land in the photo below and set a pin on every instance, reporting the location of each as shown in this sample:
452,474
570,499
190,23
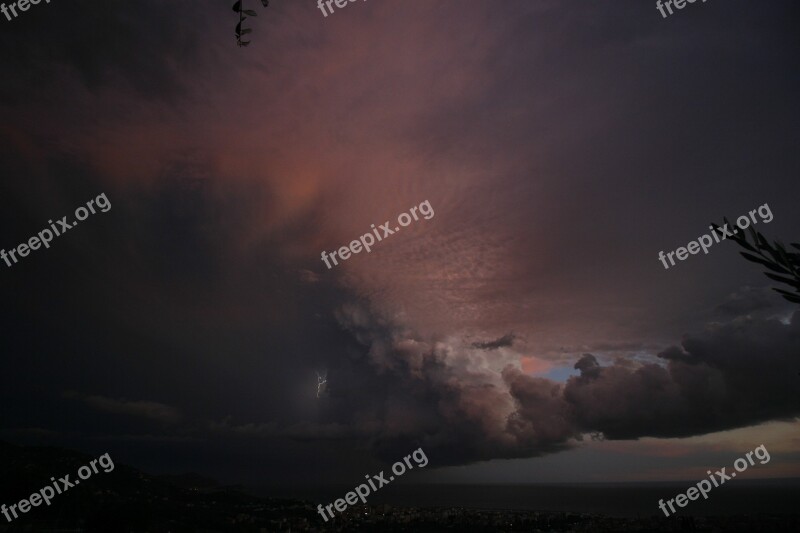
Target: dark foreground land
127,500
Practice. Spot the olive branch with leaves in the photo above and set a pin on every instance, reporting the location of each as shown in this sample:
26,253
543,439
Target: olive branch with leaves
784,264
243,14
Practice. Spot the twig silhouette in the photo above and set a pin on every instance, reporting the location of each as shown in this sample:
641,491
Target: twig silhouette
239,8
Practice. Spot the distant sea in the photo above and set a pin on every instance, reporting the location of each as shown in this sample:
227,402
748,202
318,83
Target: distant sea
740,497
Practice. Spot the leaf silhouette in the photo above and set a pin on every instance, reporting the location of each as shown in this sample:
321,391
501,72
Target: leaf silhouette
783,279
765,262
788,295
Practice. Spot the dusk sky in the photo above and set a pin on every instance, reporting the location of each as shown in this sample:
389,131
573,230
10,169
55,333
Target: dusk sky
526,332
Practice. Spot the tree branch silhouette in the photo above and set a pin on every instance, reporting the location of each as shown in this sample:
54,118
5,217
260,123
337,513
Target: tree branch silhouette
243,14
784,265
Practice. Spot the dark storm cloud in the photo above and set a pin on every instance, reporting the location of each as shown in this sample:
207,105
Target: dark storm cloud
739,374
146,409
502,342
445,398
541,421
432,394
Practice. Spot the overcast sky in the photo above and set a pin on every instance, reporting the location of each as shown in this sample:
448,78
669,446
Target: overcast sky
561,145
